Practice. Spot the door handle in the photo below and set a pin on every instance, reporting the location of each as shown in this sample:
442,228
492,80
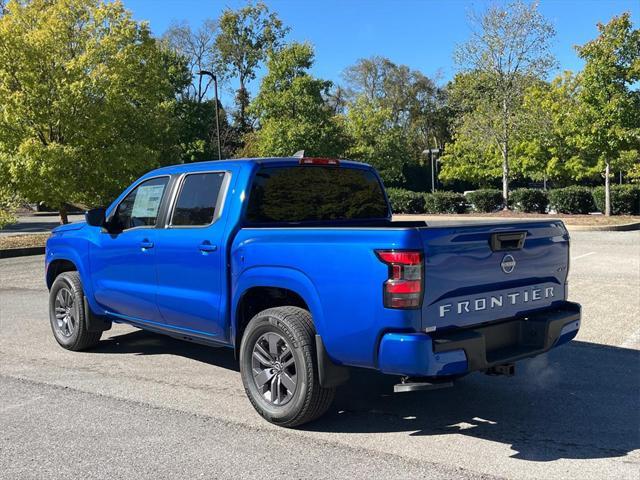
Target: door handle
146,244
206,247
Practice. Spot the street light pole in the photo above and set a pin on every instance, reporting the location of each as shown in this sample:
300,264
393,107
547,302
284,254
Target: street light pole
215,88
431,151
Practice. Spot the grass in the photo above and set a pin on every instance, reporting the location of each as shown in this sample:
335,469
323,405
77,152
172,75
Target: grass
23,241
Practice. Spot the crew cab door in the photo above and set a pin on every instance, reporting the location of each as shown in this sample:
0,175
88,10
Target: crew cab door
123,256
190,255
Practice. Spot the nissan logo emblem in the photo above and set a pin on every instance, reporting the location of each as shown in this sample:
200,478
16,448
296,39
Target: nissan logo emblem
508,264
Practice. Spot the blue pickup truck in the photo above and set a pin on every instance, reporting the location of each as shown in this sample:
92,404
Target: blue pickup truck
296,264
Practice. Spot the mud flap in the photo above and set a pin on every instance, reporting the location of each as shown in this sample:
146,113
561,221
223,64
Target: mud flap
329,374
95,323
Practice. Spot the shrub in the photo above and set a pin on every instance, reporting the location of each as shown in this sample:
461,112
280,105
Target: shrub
625,199
485,200
571,200
6,217
445,202
8,205
529,200
405,201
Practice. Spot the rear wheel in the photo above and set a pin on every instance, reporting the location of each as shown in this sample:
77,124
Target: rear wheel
67,313
278,367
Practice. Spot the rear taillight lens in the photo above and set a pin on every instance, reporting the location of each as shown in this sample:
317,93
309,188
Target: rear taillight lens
403,289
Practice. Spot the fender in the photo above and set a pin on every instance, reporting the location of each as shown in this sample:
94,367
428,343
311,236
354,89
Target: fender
279,277
62,251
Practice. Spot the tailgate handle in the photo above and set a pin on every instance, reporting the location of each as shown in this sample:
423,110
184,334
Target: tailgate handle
507,241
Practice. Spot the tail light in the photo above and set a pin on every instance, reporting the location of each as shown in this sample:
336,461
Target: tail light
403,289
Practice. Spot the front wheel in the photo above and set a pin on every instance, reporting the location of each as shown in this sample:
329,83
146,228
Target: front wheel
278,367
67,313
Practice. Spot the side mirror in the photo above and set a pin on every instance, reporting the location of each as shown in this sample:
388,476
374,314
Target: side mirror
95,217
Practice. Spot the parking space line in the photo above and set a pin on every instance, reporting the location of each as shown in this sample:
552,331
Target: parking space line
582,256
632,340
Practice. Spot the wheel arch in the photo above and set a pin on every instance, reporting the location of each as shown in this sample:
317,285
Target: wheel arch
58,266
260,288
64,258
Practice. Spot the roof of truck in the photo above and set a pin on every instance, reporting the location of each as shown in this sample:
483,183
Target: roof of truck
221,164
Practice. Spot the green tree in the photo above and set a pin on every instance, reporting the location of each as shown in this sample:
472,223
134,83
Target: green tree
547,148
509,47
195,110
246,38
196,131
394,114
86,101
291,110
375,141
609,115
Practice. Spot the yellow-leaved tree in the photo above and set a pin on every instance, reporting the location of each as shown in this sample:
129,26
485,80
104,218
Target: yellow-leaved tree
86,99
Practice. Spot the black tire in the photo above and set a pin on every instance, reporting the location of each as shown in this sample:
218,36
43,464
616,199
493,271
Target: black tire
71,331
309,400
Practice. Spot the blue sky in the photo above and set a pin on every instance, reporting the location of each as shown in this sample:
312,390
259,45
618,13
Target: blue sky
418,33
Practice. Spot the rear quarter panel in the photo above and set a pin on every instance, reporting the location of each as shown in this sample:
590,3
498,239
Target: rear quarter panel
336,272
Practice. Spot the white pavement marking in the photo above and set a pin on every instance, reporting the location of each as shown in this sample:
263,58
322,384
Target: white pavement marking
582,256
632,340
15,406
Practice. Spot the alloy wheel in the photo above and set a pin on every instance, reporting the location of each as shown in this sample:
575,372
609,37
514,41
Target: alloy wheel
65,312
274,368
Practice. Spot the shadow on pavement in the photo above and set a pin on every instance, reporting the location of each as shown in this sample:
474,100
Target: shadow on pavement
580,401
147,343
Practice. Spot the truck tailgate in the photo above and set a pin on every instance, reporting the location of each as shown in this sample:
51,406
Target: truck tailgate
481,273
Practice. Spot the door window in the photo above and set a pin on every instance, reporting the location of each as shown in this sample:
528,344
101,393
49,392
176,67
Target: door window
140,207
198,202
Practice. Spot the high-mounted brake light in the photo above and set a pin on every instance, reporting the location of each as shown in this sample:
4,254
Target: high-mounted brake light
319,161
404,287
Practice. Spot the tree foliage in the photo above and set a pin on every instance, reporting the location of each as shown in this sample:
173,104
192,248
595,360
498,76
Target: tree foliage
393,115
247,36
291,110
509,46
547,148
609,114
86,100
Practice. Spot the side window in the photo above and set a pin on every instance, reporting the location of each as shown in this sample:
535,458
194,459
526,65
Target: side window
198,198
140,207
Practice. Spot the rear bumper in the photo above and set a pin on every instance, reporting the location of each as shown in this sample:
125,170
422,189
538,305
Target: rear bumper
463,351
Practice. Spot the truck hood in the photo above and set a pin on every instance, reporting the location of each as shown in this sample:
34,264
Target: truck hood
69,227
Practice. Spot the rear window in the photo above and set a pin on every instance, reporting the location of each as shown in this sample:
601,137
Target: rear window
315,193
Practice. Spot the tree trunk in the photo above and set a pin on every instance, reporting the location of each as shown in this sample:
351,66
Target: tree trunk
505,175
64,218
607,189
242,105
505,154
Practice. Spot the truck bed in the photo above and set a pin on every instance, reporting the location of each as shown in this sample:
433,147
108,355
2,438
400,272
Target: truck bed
338,264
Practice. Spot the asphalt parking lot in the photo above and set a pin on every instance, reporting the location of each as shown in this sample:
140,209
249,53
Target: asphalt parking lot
145,406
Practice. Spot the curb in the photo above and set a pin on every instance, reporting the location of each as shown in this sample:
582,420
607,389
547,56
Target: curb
21,252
